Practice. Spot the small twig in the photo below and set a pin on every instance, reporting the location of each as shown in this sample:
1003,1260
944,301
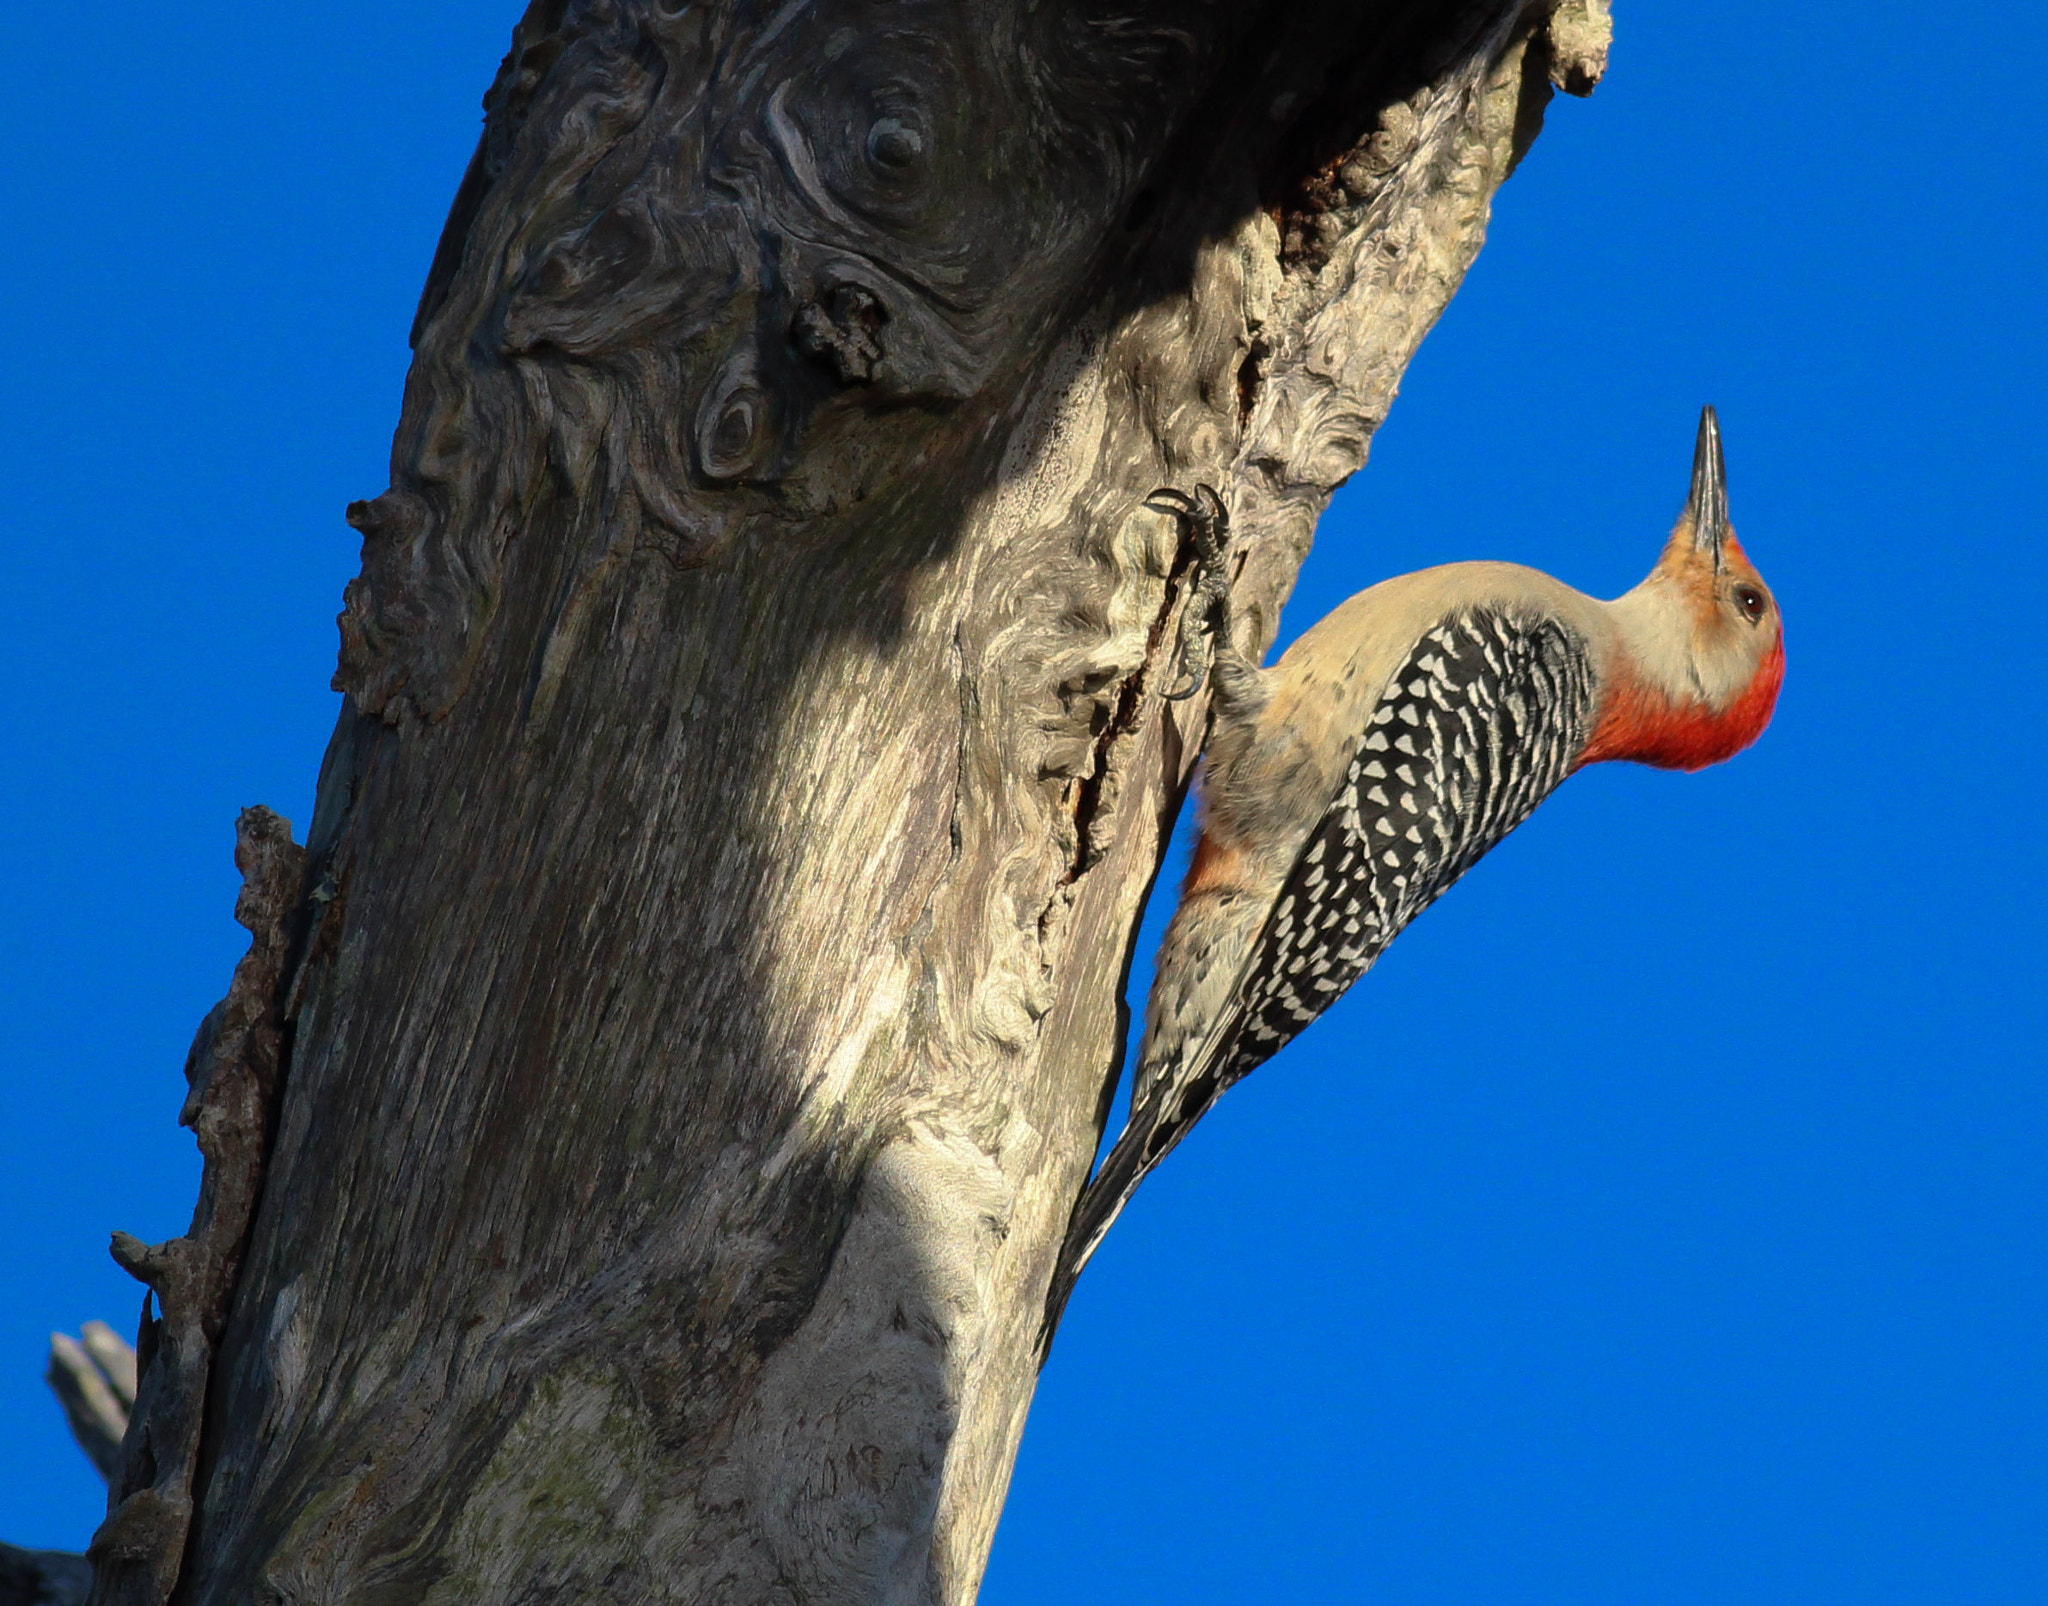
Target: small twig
93,1377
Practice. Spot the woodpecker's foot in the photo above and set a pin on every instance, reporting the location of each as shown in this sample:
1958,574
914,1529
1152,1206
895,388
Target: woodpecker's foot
1208,614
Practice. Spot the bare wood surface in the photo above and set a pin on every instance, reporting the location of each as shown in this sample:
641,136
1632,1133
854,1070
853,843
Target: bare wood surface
700,1002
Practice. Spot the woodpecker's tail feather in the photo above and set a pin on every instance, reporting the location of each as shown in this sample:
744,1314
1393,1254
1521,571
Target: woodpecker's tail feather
1148,1137
1101,1202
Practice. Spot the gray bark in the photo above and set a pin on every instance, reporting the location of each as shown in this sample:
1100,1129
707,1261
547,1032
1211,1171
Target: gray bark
640,1136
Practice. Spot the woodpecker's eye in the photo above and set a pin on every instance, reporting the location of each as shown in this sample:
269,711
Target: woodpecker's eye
1751,602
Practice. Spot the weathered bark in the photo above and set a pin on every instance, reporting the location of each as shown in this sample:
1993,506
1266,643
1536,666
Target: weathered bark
701,1002
232,1074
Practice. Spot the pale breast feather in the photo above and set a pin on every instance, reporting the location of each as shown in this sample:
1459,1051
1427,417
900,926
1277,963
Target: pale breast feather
1474,730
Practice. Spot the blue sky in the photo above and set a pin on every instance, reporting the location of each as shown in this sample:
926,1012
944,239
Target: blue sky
1662,1220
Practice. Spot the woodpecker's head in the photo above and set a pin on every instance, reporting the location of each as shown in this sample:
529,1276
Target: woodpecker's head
1700,653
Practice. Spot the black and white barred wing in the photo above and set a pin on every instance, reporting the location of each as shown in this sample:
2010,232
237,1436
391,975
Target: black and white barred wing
1480,725
1477,728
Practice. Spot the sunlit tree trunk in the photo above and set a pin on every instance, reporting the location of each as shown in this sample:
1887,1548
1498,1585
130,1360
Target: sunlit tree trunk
640,1135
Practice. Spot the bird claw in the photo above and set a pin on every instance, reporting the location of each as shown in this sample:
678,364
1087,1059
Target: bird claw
1208,523
1197,661
1207,519
1171,499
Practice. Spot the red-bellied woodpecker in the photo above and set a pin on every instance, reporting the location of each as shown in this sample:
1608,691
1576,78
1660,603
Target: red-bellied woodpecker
1346,788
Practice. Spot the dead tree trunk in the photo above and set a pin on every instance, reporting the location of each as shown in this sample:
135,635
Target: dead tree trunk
639,1137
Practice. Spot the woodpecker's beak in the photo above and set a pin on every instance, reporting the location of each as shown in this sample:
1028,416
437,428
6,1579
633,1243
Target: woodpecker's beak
1708,508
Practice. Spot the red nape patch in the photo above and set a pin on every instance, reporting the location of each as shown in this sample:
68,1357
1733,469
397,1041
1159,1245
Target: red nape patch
1647,727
